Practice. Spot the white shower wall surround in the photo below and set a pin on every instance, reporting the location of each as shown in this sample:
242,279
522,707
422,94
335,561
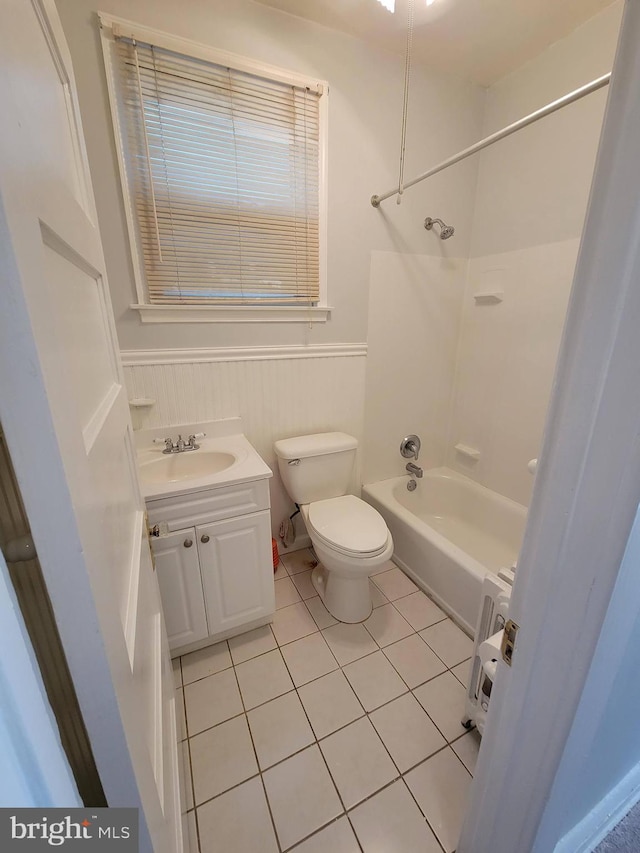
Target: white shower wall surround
277,391
506,362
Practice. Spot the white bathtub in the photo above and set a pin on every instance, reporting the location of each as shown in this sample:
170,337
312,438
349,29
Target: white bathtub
448,534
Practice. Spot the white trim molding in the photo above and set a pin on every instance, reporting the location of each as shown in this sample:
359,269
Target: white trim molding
138,358
236,314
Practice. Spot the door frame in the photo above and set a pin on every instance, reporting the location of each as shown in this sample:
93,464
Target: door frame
585,499
34,771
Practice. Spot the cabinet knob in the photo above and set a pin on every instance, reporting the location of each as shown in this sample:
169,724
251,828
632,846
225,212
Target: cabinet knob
188,543
204,538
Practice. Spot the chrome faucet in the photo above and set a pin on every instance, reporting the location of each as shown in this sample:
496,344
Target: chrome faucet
414,470
180,446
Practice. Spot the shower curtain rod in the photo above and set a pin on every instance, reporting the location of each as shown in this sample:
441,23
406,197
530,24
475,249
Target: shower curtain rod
501,134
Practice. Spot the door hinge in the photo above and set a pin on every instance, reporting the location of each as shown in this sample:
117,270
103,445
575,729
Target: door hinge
509,641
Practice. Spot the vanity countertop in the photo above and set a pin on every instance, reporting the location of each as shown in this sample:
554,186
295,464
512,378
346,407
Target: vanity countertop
220,461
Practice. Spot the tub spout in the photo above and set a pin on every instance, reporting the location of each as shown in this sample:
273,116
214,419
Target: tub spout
414,470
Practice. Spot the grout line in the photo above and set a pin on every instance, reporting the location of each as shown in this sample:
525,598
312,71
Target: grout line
317,744
433,832
255,753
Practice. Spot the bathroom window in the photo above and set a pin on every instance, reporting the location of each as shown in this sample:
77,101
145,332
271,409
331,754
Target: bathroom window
222,166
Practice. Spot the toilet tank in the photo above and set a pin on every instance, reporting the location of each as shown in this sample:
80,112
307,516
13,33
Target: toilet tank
316,467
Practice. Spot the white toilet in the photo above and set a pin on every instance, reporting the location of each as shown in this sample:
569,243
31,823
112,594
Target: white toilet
350,537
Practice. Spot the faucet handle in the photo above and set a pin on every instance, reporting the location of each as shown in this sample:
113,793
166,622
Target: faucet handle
168,443
410,447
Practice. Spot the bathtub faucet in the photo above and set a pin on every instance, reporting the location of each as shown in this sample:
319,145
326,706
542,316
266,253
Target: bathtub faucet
414,470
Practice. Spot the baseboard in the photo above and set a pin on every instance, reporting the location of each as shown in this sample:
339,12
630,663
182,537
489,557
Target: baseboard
586,835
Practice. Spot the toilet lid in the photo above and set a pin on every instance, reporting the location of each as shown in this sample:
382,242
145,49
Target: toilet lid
349,525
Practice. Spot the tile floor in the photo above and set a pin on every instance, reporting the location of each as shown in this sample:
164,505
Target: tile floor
314,736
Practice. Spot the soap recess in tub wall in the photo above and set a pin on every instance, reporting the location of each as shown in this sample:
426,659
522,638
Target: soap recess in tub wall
471,453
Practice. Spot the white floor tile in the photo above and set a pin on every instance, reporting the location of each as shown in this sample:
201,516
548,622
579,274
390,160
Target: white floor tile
308,658
358,761
253,643
406,731
190,833
304,585
463,672
292,622
385,567
299,561
441,786
205,662
467,748
391,822
349,642
330,703
419,610
448,642
414,660
320,613
301,795
394,584
286,593
237,822
443,699
177,673
221,758
374,681
280,572
338,837
377,598
212,700
387,626
279,729
181,719
263,678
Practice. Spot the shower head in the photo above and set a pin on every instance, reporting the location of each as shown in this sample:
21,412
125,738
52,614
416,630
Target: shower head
446,231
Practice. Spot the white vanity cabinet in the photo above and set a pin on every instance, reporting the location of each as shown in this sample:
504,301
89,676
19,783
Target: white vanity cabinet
180,581
214,562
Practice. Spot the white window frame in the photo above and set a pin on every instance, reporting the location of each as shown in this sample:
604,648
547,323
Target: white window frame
110,26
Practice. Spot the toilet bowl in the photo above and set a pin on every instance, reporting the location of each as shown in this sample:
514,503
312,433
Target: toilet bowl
350,543
350,537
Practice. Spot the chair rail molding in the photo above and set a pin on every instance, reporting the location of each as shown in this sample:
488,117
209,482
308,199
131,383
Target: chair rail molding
138,358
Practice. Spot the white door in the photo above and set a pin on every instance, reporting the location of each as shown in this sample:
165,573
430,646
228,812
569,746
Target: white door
64,410
178,568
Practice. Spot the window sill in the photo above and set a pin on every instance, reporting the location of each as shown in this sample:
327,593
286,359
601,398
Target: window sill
232,314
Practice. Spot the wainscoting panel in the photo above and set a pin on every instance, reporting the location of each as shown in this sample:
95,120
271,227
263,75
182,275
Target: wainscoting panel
276,397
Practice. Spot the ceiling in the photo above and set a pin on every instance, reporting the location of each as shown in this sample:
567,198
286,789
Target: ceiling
480,40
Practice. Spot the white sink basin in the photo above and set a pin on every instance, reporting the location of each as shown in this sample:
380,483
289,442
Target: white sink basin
224,458
189,465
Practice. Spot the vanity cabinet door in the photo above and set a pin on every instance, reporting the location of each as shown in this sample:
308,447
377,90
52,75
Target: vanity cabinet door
237,570
178,570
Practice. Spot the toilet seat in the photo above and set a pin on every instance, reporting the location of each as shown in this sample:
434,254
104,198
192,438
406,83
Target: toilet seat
349,526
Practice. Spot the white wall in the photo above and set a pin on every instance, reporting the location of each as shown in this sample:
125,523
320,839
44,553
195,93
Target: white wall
365,103
528,215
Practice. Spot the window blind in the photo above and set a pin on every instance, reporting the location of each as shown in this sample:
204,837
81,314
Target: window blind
223,173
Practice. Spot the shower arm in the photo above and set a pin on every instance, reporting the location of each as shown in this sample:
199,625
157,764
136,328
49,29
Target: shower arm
587,89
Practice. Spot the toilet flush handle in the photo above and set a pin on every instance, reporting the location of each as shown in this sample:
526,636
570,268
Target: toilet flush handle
293,462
